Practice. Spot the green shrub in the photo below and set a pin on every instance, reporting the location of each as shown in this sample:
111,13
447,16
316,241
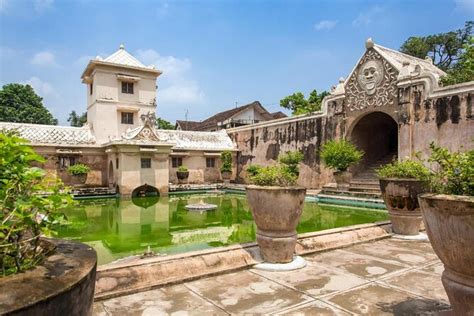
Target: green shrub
226,157
291,161
455,172
340,155
78,169
404,169
30,205
252,170
274,176
182,169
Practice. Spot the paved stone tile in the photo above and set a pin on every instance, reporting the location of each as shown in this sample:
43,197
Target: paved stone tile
98,309
412,253
364,266
168,300
376,299
436,268
244,292
422,283
314,279
314,308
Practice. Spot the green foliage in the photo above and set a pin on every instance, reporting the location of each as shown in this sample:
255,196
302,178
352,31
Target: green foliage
77,120
284,174
340,155
19,103
78,169
182,169
299,105
444,48
30,204
463,70
455,172
164,124
226,157
404,169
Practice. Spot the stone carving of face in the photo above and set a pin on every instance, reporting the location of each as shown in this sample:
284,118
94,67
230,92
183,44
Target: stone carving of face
370,75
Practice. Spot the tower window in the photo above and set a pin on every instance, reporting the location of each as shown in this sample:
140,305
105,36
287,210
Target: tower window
127,118
145,163
91,90
127,87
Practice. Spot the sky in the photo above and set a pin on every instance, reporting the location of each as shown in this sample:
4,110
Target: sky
214,54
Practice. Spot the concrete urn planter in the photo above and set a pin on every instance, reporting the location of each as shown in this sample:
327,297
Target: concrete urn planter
182,176
400,197
343,179
63,284
276,211
79,180
226,175
449,222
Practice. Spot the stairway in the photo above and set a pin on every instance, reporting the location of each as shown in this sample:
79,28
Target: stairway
364,188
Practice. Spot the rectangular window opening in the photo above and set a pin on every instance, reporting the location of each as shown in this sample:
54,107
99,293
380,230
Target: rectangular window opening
66,161
146,163
176,162
127,118
127,87
210,162
116,163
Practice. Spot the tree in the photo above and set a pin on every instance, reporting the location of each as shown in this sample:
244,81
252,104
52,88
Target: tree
299,105
77,120
19,103
463,71
445,49
164,124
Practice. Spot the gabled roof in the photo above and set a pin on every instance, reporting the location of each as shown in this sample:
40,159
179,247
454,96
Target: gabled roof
187,125
122,57
51,134
278,115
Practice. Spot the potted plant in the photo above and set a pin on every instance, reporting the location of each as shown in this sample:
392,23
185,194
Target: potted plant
79,173
226,168
38,275
448,214
340,155
401,182
276,204
182,174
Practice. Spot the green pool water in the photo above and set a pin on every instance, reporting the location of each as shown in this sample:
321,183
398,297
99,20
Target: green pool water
118,228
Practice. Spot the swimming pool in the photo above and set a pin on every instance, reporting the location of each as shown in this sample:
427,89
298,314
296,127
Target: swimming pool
118,228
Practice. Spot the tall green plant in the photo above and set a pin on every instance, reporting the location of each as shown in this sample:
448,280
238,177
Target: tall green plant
340,154
226,158
30,205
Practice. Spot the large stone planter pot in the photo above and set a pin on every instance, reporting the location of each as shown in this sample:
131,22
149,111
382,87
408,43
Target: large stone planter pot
400,197
79,180
343,179
62,285
182,176
226,175
276,212
449,222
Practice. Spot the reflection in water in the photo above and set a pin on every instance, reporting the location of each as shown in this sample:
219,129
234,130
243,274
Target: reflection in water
118,228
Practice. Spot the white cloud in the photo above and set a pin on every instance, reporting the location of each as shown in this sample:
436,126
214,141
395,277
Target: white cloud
325,25
82,61
466,6
41,87
3,5
175,85
43,5
365,18
44,59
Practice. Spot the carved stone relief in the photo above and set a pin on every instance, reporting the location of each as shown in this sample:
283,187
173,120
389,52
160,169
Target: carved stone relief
372,84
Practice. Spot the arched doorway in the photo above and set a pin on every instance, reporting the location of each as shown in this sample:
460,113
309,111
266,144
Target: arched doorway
145,190
111,175
377,135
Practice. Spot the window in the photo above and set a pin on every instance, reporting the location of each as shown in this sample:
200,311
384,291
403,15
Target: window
91,90
146,163
210,162
65,162
127,87
116,163
127,118
176,162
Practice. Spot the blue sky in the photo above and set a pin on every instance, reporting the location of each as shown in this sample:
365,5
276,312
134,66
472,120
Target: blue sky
213,53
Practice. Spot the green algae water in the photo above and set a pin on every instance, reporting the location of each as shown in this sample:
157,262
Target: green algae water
118,228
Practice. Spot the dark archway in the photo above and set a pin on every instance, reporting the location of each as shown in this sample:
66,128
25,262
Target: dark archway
377,135
145,190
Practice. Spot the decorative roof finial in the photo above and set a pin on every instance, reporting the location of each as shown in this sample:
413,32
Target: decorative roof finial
122,46
369,43
341,80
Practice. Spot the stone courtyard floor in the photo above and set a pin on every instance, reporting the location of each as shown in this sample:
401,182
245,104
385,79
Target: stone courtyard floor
386,277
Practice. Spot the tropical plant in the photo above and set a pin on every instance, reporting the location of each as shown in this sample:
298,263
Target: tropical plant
284,174
252,170
182,169
340,155
77,120
454,173
291,160
226,158
404,169
30,205
78,169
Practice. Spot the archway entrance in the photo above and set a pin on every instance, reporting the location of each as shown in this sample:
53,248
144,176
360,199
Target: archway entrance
377,135
145,190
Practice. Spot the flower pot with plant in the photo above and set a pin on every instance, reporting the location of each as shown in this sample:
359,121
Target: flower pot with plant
182,174
276,204
339,156
401,182
38,275
226,168
79,173
448,214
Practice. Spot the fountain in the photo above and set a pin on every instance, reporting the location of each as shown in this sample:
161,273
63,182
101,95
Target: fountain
201,206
